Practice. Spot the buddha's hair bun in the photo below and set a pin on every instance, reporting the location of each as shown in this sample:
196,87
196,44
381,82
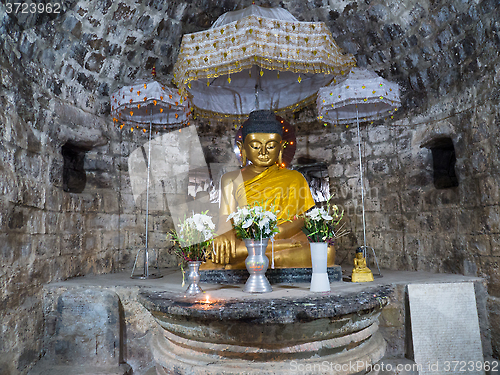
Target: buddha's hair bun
261,121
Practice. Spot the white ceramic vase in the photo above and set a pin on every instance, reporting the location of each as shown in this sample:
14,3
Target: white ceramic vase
319,278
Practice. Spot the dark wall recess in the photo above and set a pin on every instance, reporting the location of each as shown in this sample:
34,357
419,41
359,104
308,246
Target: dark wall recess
443,160
316,175
74,176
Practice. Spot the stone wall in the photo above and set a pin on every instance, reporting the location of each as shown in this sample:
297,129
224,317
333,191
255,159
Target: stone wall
48,233
56,75
411,224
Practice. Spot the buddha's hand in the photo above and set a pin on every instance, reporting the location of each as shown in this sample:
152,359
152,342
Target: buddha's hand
285,244
224,248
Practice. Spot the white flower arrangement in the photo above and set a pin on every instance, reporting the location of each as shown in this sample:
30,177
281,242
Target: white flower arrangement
254,222
203,224
317,214
193,237
320,225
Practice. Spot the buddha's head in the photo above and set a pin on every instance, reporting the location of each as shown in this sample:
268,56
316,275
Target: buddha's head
359,253
261,136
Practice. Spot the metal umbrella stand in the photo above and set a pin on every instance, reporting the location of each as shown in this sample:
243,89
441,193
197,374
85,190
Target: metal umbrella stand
365,96
146,274
143,107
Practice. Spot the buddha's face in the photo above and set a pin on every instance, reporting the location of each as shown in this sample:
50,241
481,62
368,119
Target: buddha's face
262,149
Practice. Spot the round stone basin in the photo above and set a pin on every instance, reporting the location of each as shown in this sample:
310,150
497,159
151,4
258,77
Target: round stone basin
223,331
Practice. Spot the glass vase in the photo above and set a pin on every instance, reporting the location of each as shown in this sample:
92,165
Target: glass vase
193,274
257,263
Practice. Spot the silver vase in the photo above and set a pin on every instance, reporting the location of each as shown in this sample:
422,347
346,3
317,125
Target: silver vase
193,278
257,264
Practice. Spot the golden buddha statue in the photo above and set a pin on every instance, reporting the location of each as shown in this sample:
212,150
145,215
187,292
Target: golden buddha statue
360,273
263,181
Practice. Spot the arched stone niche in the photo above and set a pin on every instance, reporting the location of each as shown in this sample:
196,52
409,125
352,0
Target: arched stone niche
440,139
444,160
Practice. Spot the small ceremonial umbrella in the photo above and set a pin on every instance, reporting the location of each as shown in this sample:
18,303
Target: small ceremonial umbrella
257,58
149,104
361,95
141,107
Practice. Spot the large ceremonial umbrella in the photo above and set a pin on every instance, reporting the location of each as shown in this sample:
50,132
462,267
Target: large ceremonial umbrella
257,58
360,96
144,107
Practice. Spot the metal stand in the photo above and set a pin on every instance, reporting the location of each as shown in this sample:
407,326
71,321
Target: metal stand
364,247
146,274
374,257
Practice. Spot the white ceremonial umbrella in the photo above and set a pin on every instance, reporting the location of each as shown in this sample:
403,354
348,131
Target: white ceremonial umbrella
257,58
143,107
360,96
149,104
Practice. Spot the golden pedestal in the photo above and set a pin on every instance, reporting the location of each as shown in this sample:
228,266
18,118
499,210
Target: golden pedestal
361,277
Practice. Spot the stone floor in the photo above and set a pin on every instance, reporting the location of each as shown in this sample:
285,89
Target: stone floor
138,325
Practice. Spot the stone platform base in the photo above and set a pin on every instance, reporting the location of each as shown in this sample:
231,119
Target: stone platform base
236,333
174,358
140,334
276,276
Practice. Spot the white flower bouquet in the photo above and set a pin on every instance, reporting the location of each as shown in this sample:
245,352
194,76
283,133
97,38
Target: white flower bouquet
320,224
193,237
254,222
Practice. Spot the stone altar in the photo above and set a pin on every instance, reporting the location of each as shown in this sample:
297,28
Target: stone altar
225,331
139,327
275,276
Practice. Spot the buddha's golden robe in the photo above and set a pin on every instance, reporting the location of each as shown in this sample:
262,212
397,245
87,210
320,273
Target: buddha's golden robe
285,190
289,193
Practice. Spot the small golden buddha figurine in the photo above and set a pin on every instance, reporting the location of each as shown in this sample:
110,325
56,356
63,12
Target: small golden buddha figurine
360,273
263,181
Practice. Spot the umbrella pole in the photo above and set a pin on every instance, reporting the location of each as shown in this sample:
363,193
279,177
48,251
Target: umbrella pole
257,89
146,255
146,274
362,183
